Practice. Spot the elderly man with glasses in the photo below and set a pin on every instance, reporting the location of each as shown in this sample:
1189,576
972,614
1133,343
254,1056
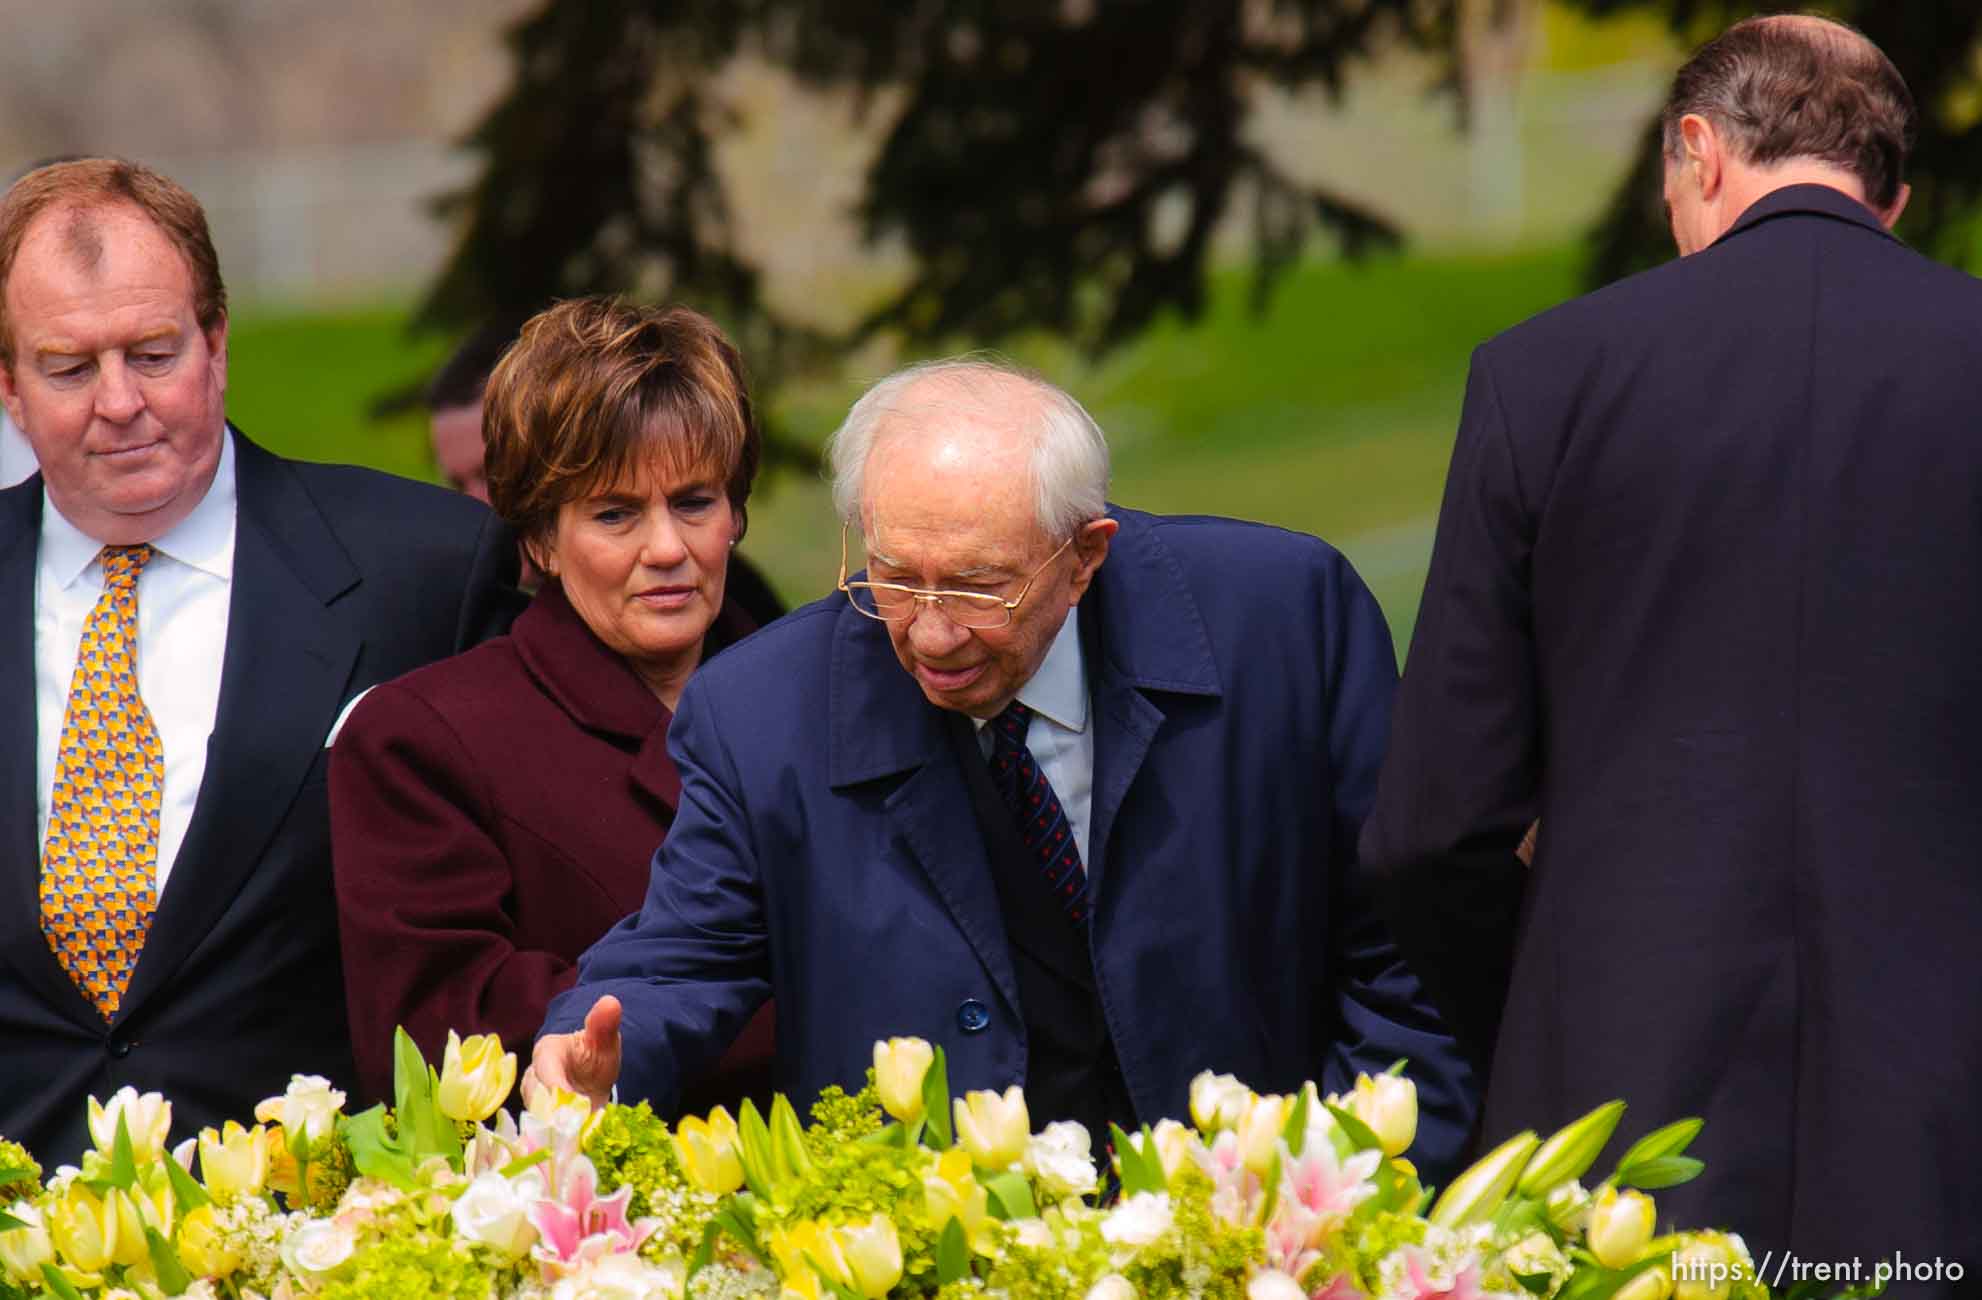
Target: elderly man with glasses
1073,791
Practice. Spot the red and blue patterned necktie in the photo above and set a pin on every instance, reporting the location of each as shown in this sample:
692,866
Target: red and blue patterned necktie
1042,822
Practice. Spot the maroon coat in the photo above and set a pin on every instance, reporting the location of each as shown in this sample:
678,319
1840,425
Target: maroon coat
491,816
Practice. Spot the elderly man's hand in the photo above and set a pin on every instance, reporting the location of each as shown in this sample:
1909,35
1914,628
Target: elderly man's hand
586,1062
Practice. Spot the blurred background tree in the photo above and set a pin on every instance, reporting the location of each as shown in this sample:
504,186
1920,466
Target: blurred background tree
1047,165
1936,47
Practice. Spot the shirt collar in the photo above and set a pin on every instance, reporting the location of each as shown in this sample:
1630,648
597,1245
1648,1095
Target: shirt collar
1058,691
203,540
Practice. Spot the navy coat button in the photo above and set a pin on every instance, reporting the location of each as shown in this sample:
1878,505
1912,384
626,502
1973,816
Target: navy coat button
120,1047
973,1017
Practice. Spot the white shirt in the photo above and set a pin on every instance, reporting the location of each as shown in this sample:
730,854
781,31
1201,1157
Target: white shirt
1057,734
16,457
182,638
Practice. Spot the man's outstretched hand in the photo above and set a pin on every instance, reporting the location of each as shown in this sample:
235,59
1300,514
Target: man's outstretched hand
586,1062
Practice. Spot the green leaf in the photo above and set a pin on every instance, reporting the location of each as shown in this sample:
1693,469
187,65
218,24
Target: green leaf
189,1194
1364,1138
705,1253
1010,1196
8,1222
423,1130
939,1132
1134,1163
738,1218
1598,1283
832,1288
17,1173
1295,1131
59,1284
1571,1150
172,1275
1671,1140
123,1161
375,1152
523,1164
1535,1283
788,1142
1666,1171
952,1248
1396,1069
753,1149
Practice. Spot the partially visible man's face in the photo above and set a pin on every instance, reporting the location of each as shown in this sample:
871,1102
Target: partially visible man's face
953,509
115,385
458,450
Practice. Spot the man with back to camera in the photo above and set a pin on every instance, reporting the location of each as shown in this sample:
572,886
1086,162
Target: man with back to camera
1700,600
1191,729
185,619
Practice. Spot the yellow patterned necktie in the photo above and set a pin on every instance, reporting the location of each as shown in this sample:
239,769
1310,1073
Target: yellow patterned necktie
98,863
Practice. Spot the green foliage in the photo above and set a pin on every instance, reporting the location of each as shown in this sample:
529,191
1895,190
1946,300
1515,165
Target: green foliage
631,1145
838,1118
20,1174
422,1266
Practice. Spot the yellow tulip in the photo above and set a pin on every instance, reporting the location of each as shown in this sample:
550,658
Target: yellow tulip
1388,1104
147,1118
92,1233
234,1161
900,1064
475,1077
1652,1284
1620,1226
203,1249
25,1249
805,1249
1260,1127
1218,1101
709,1152
873,1254
993,1129
953,1192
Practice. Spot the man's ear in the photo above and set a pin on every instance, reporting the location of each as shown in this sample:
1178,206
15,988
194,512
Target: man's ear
1702,154
1889,216
1090,549
216,347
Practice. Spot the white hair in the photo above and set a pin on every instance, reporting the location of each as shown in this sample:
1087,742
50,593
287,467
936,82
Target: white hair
1069,454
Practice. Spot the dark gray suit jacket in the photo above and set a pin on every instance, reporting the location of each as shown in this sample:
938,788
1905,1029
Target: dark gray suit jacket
342,578
1703,599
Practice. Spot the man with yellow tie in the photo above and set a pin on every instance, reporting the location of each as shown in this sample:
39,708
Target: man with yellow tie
184,618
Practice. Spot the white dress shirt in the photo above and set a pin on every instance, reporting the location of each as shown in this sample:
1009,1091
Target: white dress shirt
16,457
1057,733
182,638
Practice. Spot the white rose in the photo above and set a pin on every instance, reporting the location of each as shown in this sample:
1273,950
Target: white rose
318,1247
496,1212
309,1106
1112,1287
1058,1157
1138,1221
1568,1208
625,1277
1033,1234
1274,1285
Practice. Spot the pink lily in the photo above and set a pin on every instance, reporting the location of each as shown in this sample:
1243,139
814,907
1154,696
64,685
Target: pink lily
577,1226
1465,1284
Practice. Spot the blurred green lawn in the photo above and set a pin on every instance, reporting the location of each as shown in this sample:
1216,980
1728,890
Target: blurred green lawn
1332,413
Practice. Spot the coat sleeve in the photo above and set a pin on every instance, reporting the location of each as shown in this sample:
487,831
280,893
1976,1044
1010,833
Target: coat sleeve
422,887
1381,1013
1458,790
692,964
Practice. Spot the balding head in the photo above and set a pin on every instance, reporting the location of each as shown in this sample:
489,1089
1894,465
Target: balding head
1798,87
990,412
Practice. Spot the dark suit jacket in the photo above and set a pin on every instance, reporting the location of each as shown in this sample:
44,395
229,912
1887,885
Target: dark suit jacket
826,849
342,578
491,816
1702,598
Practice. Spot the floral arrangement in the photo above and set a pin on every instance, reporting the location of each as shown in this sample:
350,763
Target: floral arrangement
898,1190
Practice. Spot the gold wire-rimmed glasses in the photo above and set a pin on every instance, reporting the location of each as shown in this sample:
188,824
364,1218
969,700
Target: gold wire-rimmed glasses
892,602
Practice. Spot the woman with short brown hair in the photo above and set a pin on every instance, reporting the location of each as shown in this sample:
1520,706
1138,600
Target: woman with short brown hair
494,813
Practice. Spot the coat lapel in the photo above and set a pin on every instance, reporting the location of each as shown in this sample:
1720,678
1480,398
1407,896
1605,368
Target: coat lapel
1141,637
882,727
21,940
285,675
